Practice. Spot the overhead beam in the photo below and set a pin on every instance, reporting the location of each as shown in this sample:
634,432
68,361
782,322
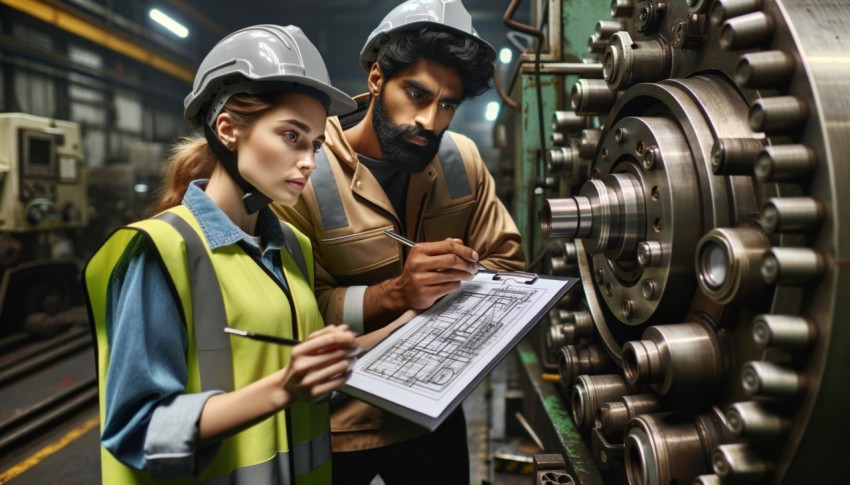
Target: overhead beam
74,23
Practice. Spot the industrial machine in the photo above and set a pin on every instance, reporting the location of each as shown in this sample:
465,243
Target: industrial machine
693,176
43,194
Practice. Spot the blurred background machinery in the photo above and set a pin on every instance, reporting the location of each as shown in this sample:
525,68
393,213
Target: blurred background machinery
44,199
46,359
686,158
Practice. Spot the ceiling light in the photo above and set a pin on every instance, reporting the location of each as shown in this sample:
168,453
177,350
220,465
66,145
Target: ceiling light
492,111
169,23
505,55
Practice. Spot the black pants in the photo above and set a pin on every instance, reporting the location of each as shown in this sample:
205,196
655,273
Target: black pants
439,457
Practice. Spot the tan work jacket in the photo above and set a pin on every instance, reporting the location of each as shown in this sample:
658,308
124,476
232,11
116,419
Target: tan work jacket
344,211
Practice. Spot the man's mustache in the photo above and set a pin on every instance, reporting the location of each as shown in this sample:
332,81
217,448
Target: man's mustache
413,130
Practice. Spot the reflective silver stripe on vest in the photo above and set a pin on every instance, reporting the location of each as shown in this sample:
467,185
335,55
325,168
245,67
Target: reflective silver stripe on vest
452,163
308,457
274,471
291,242
327,194
312,454
214,356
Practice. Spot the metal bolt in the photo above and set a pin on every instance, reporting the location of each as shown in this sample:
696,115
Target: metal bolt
649,289
627,307
650,157
649,253
620,135
599,276
621,8
649,16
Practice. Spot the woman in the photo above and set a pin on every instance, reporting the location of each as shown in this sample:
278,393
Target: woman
180,398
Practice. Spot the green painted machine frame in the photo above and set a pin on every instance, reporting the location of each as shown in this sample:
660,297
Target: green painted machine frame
576,20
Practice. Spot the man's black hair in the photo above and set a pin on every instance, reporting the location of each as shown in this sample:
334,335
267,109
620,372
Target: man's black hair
468,57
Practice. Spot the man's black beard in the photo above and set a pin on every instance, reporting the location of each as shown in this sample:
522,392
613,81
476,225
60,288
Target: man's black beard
395,147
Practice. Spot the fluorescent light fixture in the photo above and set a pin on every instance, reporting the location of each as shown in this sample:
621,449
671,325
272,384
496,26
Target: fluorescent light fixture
505,55
492,111
169,23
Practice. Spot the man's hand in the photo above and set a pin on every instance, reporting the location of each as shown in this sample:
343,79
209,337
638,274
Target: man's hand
432,270
435,269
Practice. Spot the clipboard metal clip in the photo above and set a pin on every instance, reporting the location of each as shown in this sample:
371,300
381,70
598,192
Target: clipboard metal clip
519,276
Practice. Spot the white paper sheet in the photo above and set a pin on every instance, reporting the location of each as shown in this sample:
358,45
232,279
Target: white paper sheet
430,364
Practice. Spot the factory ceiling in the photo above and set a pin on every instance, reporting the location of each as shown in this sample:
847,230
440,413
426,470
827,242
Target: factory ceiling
337,27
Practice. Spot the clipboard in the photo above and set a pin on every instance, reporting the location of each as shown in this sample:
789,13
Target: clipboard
427,367
521,276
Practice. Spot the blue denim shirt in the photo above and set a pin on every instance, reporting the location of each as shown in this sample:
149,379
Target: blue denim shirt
150,424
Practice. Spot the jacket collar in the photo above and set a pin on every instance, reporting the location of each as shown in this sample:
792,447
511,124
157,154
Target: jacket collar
363,183
335,127
219,230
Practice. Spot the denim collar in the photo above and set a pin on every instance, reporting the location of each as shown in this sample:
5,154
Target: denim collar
219,230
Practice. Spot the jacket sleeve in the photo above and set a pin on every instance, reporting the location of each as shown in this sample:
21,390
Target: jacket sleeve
329,294
491,230
149,424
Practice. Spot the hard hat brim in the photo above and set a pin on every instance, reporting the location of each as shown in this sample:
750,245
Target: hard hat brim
337,102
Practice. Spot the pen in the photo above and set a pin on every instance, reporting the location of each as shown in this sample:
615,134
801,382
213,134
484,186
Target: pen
264,338
355,352
407,242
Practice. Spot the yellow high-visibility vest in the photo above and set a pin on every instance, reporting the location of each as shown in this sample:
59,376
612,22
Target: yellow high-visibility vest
217,288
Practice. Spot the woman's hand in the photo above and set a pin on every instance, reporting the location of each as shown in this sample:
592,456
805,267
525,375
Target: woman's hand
319,364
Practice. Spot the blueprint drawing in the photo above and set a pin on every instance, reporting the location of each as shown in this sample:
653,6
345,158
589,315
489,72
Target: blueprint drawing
425,368
430,357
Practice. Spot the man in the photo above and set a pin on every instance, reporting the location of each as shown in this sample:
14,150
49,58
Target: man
393,165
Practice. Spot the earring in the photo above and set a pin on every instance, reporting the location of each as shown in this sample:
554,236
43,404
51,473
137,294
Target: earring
228,145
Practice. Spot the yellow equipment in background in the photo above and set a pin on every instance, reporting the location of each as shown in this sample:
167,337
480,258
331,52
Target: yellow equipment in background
43,194
42,181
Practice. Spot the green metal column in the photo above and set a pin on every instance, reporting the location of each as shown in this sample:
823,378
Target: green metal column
529,160
578,21
547,407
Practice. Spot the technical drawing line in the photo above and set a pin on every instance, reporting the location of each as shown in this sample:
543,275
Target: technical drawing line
429,360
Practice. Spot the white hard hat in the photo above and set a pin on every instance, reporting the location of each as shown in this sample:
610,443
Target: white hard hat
258,59
448,15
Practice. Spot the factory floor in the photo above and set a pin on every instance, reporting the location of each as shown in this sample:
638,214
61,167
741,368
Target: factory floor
69,454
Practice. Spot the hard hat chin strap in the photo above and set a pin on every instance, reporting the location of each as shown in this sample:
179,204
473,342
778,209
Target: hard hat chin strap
253,200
